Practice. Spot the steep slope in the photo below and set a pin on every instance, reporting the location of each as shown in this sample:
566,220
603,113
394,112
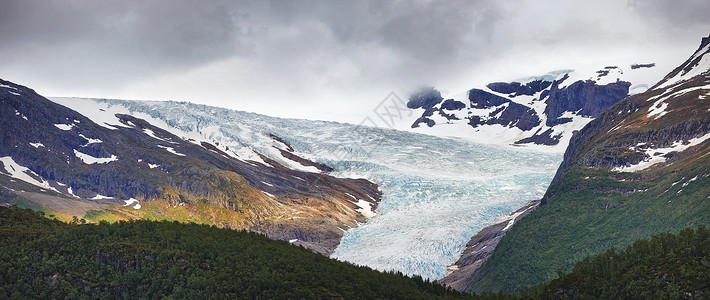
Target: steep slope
540,110
124,167
639,169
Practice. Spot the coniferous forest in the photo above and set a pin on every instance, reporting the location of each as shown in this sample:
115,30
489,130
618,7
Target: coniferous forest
41,258
667,266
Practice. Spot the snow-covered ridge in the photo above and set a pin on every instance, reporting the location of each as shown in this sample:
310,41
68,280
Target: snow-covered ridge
501,121
243,143
697,64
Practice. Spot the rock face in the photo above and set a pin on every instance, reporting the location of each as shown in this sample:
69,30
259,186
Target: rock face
639,169
56,159
586,98
480,248
542,110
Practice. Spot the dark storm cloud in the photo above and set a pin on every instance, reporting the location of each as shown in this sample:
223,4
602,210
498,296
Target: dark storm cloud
115,39
124,40
675,13
421,29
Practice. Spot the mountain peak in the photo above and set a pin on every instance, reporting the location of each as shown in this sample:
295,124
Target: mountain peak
705,41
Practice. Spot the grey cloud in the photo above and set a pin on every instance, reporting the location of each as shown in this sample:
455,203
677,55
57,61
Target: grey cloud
420,29
115,39
305,47
674,13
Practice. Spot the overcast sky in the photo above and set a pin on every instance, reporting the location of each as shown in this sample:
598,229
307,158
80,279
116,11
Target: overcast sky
324,59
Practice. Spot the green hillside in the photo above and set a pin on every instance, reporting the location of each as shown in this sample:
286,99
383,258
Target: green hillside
592,211
665,267
43,258
635,171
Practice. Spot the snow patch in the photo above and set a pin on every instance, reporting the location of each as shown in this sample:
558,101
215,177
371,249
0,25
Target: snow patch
22,173
100,197
689,181
64,127
365,208
90,141
102,114
36,145
656,155
150,133
268,194
7,86
69,190
89,160
511,219
171,150
131,202
658,109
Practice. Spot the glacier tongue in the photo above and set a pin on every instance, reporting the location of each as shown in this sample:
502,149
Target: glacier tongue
438,192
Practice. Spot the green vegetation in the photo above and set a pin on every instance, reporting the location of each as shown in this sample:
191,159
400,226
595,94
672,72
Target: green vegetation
665,267
589,208
44,258
592,210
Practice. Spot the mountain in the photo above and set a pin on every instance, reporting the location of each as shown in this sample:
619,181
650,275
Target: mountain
423,218
539,110
106,164
426,214
640,168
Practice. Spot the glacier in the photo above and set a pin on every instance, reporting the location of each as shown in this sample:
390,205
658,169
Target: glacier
437,192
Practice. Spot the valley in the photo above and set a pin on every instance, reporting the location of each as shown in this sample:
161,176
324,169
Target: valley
436,192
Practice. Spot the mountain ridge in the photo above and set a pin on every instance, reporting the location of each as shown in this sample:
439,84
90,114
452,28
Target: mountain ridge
125,167
538,111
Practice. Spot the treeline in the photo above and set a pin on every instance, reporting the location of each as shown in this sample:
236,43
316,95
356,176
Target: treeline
46,259
667,266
